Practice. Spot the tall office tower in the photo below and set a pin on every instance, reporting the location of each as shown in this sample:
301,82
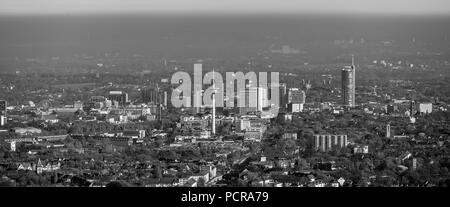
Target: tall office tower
119,96
246,95
164,64
388,130
165,99
263,98
214,105
151,95
197,106
250,95
283,95
349,84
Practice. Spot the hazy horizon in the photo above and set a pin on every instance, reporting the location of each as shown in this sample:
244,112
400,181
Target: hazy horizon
207,27
199,36
230,7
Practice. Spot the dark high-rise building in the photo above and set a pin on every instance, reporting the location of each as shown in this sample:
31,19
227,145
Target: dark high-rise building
349,85
283,95
151,95
155,95
256,99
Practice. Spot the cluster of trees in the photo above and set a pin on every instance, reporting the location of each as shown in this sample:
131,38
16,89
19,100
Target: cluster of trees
28,178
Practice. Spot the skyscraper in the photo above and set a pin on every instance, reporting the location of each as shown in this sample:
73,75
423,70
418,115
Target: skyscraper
283,96
214,106
249,95
388,130
151,95
198,102
263,98
349,84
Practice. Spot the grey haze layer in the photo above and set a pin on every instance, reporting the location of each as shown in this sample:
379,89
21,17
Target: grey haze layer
201,36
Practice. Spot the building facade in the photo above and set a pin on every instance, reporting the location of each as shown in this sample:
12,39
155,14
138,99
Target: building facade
326,142
349,85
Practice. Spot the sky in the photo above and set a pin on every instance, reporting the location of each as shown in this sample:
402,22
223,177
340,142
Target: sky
382,7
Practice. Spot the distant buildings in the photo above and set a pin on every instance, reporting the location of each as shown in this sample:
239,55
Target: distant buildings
119,96
153,95
191,122
254,134
297,96
26,131
361,149
425,108
326,166
97,99
286,50
78,105
390,109
253,128
294,108
290,135
135,134
326,142
296,100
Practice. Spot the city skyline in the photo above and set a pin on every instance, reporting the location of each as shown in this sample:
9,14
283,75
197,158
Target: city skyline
212,93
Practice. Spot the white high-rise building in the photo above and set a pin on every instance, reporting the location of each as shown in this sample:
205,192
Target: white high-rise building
388,130
263,98
349,84
3,120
